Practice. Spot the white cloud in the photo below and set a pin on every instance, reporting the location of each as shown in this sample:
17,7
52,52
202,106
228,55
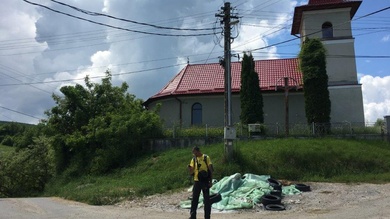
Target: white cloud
376,97
256,33
17,32
100,58
386,38
251,37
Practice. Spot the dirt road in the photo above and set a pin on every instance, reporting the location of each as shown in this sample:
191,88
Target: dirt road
325,201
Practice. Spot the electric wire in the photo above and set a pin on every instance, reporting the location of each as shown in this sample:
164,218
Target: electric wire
20,43
127,20
15,111
293,39
115,27
93,77
283,42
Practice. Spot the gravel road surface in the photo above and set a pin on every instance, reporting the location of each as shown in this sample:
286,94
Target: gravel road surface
325,201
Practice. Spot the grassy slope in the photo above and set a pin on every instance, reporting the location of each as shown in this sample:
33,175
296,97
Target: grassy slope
329,160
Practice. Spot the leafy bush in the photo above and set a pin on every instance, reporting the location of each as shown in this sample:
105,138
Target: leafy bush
97,128
8,140
25,138
26,172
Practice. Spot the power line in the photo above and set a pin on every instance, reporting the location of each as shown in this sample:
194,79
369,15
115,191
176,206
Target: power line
375,12
291,55
383,29
21,45
123,64
127,20
115,27
77,79
40,38
21,81
94,77
356,56
20,112
16,45
286,41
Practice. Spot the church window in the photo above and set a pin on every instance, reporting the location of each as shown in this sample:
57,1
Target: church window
196,114
327,30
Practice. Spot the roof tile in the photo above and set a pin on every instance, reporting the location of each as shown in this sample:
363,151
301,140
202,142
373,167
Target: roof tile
209,78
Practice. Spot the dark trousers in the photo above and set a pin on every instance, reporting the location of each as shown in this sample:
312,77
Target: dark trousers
198,187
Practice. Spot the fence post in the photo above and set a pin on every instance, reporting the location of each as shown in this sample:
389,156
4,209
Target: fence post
387,120
313,128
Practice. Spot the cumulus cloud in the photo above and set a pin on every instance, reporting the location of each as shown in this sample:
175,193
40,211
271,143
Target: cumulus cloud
376,97
256,33
18,48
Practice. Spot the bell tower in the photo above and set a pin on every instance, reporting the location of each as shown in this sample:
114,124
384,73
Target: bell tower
330,21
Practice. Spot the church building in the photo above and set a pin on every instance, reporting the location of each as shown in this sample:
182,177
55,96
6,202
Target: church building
195,96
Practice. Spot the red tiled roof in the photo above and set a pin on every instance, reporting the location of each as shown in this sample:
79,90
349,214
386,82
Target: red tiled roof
322,5
209,78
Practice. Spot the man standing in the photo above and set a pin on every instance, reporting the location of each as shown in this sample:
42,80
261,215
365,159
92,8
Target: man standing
202,169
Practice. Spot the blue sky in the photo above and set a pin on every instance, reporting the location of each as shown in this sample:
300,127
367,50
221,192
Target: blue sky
42,50
373,42
374,73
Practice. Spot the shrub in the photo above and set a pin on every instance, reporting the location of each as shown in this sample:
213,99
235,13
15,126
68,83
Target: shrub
26,172
8,140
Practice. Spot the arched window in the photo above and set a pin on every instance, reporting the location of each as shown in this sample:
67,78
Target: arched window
327,30
196,114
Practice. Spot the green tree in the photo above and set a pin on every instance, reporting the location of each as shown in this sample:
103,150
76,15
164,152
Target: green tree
250,93
312,59
16,134
25,138
99,127
379,122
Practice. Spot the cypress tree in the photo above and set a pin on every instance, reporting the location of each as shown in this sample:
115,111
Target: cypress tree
250,94
312,59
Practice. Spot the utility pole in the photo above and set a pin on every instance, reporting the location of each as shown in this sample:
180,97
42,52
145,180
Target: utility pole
287,124
229,130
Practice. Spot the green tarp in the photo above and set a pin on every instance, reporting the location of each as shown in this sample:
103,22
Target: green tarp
240,191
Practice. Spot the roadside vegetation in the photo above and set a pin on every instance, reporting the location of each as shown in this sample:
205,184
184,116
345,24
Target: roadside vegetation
296,160
5,151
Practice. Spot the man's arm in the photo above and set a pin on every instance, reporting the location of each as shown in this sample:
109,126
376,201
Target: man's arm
191,167
210,168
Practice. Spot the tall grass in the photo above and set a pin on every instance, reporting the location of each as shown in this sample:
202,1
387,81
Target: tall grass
327,160
295,129
195,131
317,159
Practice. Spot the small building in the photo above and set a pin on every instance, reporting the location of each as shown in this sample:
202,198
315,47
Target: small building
195,96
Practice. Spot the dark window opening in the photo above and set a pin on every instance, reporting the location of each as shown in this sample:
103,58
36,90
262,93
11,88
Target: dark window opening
327,30
196,114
